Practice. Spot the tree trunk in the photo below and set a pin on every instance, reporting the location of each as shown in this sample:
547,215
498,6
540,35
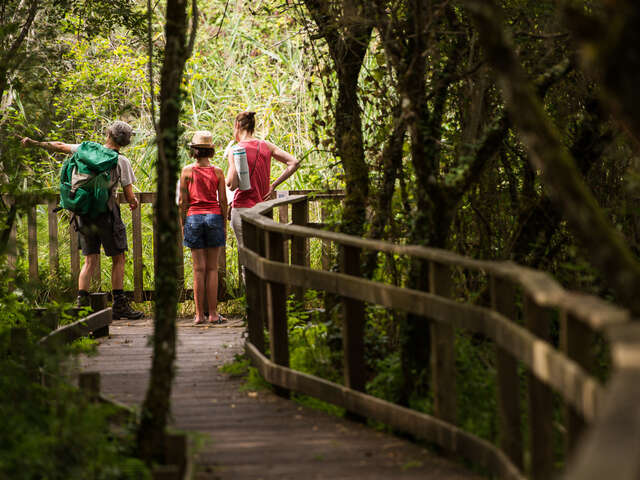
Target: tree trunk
347,37
156,407
608,250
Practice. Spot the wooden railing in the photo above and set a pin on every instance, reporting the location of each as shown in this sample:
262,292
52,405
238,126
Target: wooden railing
609,448
60,231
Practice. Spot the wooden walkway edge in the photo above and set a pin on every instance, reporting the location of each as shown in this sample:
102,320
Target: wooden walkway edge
254,435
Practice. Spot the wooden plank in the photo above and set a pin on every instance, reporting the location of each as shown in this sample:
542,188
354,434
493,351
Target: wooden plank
138,278
300,245
353,325
545,362
98,303
426,427
503,296
74,253
254,316
610,448
89,384
53,237
78,329
576,340
277,314
442,349
538,321
32,227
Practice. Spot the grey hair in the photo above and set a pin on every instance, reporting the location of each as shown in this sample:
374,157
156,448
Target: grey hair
120,132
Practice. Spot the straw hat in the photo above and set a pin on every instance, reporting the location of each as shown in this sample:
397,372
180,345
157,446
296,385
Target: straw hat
203,139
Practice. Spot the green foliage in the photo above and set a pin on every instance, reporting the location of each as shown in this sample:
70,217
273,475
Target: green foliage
309,349
241,367
49,429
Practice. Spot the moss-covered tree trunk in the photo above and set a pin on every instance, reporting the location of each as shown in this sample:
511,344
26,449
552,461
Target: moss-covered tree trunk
345,27
156,407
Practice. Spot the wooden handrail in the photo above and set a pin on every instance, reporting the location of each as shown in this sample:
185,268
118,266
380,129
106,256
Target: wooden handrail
567,372
30,201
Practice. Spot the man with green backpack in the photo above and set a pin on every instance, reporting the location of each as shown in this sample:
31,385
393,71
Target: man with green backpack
88,184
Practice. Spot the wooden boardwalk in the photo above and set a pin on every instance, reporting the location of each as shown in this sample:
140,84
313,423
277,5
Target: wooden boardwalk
254,435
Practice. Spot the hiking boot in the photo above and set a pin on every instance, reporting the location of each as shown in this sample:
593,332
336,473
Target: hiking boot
83,301
122,309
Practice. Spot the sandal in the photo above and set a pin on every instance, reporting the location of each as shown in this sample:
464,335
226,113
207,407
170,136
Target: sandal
199,322
219,321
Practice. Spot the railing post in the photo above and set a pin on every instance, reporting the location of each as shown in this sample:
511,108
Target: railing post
53,237
538,321
136,227
300,245
255,323
278,322
503,301
33,243
576,339
89,383
442,349
99,302
353,327
180,267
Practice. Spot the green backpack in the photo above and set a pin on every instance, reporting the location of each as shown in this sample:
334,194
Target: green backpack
85,179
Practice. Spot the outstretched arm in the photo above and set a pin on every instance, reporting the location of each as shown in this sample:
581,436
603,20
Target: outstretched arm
289,160
50,146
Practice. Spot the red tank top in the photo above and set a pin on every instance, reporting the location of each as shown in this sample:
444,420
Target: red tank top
203,191
260,171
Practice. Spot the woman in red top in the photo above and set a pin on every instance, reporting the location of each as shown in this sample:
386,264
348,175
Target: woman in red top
203,212
259,155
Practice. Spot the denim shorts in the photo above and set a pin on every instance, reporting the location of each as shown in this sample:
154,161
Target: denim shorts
204,230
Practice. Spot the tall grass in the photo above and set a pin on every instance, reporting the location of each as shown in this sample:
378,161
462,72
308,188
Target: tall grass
252,61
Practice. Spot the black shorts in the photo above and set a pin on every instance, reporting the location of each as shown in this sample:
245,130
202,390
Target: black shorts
107,230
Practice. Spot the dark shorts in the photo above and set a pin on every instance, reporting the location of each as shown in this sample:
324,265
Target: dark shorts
205,230
107,230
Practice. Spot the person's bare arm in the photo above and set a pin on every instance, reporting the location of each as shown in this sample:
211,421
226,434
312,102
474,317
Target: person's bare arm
289,160
232,176
130,196
183,200
222,197
49,146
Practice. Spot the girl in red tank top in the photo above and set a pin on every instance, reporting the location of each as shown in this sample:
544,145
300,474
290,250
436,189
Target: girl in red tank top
203,212
259,155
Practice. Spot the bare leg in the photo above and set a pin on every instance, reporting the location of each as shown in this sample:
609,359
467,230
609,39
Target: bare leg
199,256
213,255
86,273
117,271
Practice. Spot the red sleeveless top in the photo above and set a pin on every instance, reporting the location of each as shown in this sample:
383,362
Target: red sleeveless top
203,191
260,171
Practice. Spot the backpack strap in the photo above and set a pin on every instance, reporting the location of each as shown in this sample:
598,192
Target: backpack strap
255,161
